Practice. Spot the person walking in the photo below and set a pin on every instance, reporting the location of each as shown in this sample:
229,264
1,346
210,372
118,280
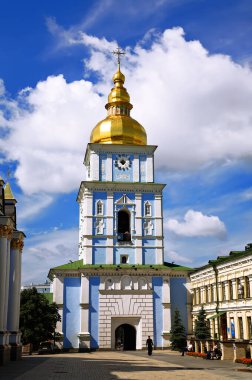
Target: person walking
149,344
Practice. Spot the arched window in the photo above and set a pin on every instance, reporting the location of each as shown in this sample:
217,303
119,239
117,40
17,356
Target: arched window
109,284
123,225
147,209
142,284
99,208
124,259
126,283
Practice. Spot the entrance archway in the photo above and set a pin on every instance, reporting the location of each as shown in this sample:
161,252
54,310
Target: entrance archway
125,337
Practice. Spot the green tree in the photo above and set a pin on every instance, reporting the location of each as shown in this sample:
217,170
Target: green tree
202,329
38,317
178,333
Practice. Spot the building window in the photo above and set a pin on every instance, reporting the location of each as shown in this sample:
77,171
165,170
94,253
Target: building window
99,208
126,283
247,287
240,324
224,293
206,294
123,225
124,259
232,327
231,290
147,209
249,323
142,284
109,284
240,290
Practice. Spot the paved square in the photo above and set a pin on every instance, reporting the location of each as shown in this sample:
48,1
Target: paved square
121,365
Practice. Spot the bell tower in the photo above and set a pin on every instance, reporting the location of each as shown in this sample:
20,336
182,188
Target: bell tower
121,219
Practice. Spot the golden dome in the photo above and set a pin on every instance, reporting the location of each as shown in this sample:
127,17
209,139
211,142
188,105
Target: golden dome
119,127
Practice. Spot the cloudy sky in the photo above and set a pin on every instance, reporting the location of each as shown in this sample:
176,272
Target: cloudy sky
188,70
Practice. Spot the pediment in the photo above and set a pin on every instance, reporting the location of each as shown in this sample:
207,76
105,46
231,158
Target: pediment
124,200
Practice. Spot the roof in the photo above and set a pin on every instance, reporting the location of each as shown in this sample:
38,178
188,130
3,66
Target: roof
76,265
8,195
233,255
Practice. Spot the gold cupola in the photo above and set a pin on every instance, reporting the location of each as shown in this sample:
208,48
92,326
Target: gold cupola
119,127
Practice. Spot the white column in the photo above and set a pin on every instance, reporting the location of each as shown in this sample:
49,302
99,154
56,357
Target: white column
166,306
14,286
58,289
234,285
5,236
110,231
88,226
84,334
138,227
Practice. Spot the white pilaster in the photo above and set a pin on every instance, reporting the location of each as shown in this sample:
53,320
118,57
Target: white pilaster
109,168
149,168
136,168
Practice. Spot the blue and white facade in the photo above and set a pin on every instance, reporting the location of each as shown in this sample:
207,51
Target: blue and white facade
119,291
110,189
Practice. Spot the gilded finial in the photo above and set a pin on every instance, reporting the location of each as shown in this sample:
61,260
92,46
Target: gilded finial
118,52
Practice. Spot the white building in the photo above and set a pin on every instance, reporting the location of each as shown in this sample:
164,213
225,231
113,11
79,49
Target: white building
224,288
120,290
11,244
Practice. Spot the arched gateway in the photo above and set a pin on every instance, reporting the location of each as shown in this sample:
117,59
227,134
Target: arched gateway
125,337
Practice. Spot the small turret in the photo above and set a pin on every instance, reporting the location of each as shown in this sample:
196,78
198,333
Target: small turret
10,203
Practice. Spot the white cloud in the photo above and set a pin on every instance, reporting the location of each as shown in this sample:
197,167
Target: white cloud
46,251
31,206
195,106
246,195
197,224
177,258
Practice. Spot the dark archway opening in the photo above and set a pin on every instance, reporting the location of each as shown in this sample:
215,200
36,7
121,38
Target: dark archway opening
125,337
123,225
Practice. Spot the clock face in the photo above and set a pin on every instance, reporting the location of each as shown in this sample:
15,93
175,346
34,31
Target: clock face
123,162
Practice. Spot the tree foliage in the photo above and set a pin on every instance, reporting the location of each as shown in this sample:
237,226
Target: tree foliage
178,333
38,317
202,329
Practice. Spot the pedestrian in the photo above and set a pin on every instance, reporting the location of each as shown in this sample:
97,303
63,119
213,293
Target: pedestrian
190,347
149,344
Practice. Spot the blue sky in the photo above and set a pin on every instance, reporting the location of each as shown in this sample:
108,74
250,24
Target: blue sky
188,71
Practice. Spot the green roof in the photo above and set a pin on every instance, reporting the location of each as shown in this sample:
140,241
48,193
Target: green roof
233,255
79,265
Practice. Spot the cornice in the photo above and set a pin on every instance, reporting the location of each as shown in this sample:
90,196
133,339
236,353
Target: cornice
126,291
143,187
117,148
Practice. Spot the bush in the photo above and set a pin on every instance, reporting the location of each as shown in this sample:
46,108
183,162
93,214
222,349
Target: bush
197,354
244,361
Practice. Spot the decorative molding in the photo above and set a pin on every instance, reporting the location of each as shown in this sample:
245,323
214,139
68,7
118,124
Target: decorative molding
167,305
17,244
84,305
6,231
127,291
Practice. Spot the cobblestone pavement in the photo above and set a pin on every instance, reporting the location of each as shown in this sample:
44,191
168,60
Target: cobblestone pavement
120,365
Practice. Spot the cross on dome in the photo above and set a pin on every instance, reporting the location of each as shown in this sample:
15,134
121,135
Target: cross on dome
118,52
